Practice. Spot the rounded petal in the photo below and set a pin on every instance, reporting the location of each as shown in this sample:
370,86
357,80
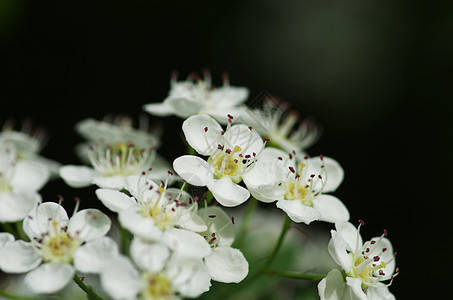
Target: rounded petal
50,277
91,257
18,257
14,206
115,200
226,264
38,220
135,184
240,135
218,219
335,172
298,212
77,176
332,287
141,226
266,173
151,257
89,224
379,292
116,182
204,142
159,109
193,169
355,289
228,193
186,243
192,222
184,107
120,279
337,249
348,232
29,176
331,209
5,238
189,276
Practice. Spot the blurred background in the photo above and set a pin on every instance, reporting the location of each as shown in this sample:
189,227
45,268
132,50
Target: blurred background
376,75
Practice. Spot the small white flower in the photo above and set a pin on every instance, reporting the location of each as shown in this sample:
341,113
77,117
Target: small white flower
276,121
54,246
157,274
232,153
299,189
225,264
187,98
367,265
112,164
19,182
156,213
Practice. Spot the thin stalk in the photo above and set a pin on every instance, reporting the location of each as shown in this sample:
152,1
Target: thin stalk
18,297
297,275
286,225
125,240
89,291
251,204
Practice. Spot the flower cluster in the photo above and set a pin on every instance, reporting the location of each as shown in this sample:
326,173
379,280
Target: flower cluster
167,230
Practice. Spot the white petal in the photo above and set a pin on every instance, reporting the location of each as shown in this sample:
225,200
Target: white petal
190,221
159,109
29,176
386,256
228,193
120,279
226,264
135,185
186,243
266,172
89,224
240,135
355,285
331,209
116,182
5,238
115,200
38,221
193,169
189,276
151,257
14,206
335,172
348,232
219,219
184,107
379,292
194,130
332,286
337,249
49,277
18,257
139,225
91,257
228,96
298,212
77,176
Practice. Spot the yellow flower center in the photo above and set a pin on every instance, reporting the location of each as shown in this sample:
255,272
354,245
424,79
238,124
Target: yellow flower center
59,246
158,287
228,163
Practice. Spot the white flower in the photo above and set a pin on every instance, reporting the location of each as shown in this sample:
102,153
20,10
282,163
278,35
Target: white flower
276,121
232,153
55,244
113,131
225,264
158,214
28,142
112,164
187,98
298,189
367,265
157,274
19,182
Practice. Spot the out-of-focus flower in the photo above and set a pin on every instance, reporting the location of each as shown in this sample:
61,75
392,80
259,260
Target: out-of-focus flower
52,255
232,153
299,190
366,265
28,142
155,273
276,121
156,213
225,264
196,96
19,182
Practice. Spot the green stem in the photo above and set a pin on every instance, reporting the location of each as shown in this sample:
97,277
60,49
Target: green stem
251,204
89,291
298,275
18,297
277,247
125,240
9,228
20,231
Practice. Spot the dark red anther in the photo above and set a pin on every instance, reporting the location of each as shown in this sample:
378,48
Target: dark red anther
266,139
77,199
319,176
312,175
60,197
230,116
206,129
162,183
321,157
228,151
250,127
232,220
279,158
222,132
384,249
367,250
306,156
297,176
376,258
373,242
212,216
220,147
236,161
290,156
170,172
247,156
361,222
385,232
143,173
292,169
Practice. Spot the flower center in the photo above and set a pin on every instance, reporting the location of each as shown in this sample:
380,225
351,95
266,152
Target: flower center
58,245
228,163
155,209
120,159
297,190
158,286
